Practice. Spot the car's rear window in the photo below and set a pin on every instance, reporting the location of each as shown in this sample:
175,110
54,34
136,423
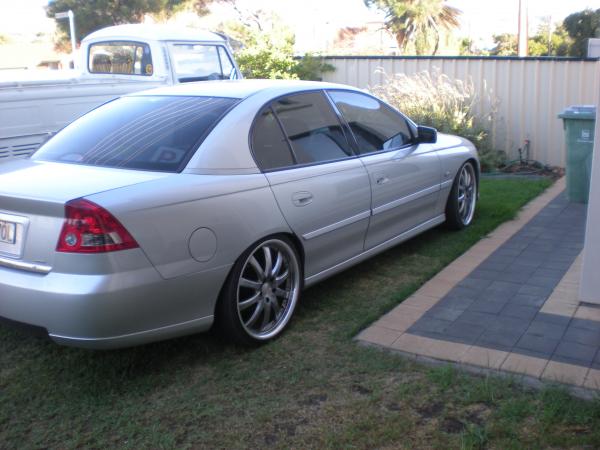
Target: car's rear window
156,133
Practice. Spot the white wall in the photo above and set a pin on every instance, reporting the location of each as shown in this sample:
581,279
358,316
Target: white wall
532,91
590,281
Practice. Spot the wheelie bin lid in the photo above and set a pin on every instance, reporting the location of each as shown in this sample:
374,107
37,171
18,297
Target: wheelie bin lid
581,112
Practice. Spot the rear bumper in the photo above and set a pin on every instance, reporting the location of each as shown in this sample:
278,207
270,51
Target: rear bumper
110,310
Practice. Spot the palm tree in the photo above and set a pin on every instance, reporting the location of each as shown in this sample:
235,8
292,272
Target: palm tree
417,20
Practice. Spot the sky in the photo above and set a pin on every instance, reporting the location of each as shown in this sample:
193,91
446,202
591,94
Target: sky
480,18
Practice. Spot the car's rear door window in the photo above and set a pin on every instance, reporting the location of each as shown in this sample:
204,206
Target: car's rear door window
312,127
139,132
375,126
269,145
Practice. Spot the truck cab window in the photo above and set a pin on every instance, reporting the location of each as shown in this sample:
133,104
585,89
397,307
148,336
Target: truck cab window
200,62
117,57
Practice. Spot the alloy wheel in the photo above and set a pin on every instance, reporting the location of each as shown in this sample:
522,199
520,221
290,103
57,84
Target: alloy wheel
467,194
268,289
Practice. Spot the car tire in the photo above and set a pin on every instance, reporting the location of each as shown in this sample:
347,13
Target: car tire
460,207
261,292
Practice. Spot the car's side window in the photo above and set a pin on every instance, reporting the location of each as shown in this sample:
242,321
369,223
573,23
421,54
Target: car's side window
312,127
269,145
375,126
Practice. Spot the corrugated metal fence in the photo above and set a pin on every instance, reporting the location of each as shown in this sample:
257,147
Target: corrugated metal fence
531,92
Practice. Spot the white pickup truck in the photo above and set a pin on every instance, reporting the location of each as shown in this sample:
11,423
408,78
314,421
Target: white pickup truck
113,61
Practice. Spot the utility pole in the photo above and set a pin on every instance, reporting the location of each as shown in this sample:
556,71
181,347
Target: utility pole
523,29
549,35
69,15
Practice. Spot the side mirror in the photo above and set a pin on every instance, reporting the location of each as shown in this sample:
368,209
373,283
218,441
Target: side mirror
426,135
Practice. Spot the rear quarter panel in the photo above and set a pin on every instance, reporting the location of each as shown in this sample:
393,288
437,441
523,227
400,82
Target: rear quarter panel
162,216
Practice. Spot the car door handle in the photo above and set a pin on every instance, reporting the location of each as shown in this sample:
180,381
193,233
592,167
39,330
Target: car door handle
302,198
382,180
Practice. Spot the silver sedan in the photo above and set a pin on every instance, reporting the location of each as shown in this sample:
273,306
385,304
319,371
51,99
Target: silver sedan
162,212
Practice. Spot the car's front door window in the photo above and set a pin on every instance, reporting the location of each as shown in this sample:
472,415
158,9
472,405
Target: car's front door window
374,125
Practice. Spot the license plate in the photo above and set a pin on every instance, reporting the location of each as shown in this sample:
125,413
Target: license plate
8,232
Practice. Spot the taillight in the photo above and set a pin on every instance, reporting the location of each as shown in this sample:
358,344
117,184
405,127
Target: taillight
89,228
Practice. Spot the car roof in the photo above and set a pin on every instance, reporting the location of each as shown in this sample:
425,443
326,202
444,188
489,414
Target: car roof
242,88
155,32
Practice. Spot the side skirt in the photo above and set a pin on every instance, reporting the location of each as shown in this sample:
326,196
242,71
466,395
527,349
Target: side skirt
375,250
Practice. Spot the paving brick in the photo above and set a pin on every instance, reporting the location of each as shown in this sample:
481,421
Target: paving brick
513,277
458,303
487,306
436,288
592,379
379,335
429,324
443,313
553,318
498,340
509,324
484,357
528,289
575,353
495,296
525,365
520,269
582,336
395,323
464,332
554,273
588,313
499,259
495,266
545,282
482,274
478,318
562,257
504,286
429,334
532,301
518,311
411,343
541,345
546,329
565,373
447,351
558,309
585,324
472,284
552,264
419,301
529,262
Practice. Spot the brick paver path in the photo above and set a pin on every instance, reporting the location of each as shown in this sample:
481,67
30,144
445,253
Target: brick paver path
509,303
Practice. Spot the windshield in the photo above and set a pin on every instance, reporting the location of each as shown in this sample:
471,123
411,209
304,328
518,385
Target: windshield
201,62
156,133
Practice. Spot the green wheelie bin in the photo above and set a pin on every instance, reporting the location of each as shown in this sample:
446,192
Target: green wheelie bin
578,123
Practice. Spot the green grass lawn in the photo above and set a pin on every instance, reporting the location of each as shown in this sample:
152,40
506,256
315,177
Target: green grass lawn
314,387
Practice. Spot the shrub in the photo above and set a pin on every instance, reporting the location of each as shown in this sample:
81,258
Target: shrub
267,50
450,105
